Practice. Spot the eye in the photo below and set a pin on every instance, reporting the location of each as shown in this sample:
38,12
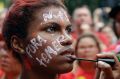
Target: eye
69,29
52,28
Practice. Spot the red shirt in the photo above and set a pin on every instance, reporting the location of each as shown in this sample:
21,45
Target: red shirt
1,73
79,74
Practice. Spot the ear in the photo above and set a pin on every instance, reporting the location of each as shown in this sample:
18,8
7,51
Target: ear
17,44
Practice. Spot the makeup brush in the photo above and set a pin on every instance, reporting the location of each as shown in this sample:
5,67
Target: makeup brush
107,60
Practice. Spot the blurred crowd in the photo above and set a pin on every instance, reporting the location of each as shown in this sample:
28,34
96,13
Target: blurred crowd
91,35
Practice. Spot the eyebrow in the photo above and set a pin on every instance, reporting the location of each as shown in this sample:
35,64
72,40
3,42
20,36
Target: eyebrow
51,22
69,25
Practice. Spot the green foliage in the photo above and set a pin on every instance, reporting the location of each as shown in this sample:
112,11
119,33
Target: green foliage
72,4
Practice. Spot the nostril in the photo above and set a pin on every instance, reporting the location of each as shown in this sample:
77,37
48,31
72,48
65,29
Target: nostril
67,42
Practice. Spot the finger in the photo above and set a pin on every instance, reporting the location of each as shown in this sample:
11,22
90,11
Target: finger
106,55
109,55
106,68
97,75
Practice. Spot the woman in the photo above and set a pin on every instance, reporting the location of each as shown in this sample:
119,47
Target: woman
38,34
87,46
10,68
104,70
108,31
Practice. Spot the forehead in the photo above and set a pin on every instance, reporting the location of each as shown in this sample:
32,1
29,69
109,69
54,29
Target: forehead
87,40
52,14
82,11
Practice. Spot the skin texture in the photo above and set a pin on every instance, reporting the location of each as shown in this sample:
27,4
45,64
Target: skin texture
105,71
8,63
87,48
82,16
117,24
109,33
10,66
49,30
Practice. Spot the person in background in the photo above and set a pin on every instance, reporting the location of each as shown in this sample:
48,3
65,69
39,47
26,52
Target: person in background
104,70
108,31
115,15
101,17
10,68
37,32
81,16
83,22
87,46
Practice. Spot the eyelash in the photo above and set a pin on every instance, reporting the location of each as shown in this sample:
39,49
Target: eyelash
69,29
52,28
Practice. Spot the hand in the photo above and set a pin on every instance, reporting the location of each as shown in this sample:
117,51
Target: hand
105,71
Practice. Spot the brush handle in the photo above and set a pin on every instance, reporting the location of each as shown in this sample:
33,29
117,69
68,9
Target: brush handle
107,60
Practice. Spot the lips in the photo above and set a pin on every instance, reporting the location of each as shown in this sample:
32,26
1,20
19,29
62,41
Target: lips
67,51
67,54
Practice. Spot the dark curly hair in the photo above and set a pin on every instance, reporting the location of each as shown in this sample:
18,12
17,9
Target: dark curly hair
91,35
19,17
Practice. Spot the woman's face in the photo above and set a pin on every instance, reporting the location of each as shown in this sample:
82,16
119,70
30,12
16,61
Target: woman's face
108,32
49,43
87,48
117,28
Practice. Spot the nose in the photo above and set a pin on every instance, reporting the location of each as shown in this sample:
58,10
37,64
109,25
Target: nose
87,50
68,40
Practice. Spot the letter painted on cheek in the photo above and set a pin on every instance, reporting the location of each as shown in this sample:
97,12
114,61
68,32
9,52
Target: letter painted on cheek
28,52
56,45
61,39
40,40
41,62
50,50
48,54
37,41
34,42
34,45
32,48
45,58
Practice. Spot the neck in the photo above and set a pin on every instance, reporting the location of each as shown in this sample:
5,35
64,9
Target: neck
12,75
41,76
35,74
15,74
87,66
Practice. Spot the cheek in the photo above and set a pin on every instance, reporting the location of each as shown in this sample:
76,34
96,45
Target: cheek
93,53
94,50
43,50
80,52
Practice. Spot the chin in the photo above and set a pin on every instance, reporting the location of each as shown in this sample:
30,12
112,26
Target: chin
65,68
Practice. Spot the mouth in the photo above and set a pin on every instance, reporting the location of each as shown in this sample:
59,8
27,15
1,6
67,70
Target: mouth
68,54
67,51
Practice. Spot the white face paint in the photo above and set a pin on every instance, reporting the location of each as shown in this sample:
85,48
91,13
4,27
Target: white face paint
47,16
34,45
57,44
50,15
49,51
